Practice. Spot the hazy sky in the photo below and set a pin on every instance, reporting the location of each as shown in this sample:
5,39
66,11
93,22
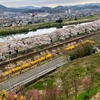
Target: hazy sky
39,3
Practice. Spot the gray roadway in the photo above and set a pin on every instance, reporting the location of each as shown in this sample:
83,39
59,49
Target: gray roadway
32,74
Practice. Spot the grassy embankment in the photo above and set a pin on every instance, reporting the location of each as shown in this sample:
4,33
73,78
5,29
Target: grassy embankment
82,67
26,28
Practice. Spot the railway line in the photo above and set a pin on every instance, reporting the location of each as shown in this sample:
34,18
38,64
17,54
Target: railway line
49,48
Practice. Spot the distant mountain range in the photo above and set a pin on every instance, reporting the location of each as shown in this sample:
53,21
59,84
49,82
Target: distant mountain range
49,9
28,7
63,8
6,9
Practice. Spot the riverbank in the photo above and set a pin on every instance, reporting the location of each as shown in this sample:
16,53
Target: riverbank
20,29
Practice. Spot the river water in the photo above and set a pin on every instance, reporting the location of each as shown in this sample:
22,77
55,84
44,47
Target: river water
32,33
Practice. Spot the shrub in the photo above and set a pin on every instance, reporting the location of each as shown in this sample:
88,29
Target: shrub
83,50
59,20
83,96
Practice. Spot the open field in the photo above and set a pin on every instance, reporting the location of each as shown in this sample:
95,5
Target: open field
95,17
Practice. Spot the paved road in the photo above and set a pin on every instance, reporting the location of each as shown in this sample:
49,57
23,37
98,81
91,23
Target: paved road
32,74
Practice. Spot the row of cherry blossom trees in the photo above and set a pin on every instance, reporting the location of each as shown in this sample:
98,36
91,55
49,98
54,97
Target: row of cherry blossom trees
14,47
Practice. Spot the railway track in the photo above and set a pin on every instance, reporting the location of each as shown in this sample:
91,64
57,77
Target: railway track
31,54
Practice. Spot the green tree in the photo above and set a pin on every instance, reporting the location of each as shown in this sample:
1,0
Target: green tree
59,20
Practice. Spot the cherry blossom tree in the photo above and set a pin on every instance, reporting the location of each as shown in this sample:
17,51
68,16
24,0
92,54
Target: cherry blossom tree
87,84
